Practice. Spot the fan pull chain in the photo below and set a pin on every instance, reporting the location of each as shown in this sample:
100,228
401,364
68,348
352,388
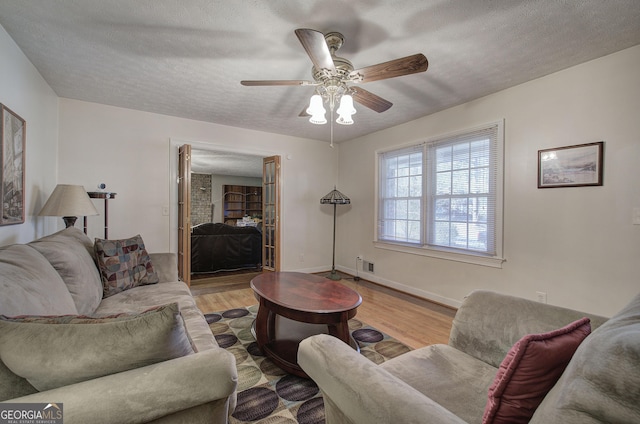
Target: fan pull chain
331,145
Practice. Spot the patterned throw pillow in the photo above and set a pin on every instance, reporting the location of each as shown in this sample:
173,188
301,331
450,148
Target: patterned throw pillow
55,351
123,264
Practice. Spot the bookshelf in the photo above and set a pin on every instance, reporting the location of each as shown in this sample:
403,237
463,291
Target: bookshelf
241,201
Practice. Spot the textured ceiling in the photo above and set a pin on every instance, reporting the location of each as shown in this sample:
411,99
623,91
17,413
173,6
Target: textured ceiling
186,57
226,163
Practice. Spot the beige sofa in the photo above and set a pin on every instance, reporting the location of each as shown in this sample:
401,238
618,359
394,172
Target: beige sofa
57,275
450,383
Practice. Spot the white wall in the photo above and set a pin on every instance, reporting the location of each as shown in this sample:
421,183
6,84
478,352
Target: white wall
23,90
576,244
133,152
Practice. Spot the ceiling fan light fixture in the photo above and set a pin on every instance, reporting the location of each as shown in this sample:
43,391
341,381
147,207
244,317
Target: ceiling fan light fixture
316,110
333,74
318,119
345,110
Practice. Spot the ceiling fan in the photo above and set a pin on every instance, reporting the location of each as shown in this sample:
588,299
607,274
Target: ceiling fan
332,74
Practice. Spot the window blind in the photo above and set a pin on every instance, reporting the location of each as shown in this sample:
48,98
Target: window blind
462,176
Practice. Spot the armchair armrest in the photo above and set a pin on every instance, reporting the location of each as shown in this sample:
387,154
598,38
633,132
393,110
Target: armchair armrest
358,391
148,393
166,265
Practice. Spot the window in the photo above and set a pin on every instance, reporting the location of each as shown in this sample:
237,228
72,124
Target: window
444,194
402,199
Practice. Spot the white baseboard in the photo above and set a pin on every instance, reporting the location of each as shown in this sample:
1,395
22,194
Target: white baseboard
310,270
402,287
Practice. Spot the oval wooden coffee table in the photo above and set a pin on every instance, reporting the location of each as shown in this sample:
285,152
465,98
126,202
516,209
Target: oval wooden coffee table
309,302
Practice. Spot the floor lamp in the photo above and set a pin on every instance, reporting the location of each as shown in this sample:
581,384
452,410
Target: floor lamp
334,198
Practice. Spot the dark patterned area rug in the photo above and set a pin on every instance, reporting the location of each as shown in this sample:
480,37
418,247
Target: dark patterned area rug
268,395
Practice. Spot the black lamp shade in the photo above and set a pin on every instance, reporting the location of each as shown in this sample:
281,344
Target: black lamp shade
335,198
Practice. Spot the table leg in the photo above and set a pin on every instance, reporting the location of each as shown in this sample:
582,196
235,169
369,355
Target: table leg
271,326
265,326
261,326
341,330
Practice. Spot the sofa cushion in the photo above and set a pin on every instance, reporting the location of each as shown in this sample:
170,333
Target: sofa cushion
30,284
57,351
70,252
529,370
602,382
165,265
143,297
449,377
12,385
123,264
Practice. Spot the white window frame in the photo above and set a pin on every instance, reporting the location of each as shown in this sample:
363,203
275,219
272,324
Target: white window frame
424,248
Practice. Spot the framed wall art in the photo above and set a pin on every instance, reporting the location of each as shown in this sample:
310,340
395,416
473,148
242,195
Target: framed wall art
571,166
13,130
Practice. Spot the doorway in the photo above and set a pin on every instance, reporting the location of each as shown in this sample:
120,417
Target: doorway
226,214
211,170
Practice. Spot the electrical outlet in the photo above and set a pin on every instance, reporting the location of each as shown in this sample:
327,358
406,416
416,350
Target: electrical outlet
541,297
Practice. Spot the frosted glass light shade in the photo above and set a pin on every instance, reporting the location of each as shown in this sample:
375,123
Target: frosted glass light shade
345,110
316,110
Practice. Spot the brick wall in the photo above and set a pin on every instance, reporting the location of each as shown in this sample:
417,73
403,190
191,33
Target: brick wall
200,198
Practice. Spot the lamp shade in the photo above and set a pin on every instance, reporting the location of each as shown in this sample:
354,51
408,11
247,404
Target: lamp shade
334,197
316,110
68,200
345,110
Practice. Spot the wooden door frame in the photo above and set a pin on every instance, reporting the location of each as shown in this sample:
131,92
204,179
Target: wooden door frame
276,239
184,213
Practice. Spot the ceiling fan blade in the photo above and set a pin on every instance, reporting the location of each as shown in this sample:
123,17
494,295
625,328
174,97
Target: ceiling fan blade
316,47
275,82
370,100
303,113
394,68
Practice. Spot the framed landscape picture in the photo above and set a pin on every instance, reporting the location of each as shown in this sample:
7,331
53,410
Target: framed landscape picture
12,149
571,166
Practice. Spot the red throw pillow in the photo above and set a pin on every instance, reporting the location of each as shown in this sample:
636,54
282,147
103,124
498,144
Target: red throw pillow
530,369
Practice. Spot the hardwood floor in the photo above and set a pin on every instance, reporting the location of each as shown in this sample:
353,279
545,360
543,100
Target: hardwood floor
413,321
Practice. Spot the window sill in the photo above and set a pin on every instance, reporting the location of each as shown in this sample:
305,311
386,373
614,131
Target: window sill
449,255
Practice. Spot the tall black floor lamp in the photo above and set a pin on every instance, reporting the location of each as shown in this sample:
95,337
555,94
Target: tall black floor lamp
334,198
